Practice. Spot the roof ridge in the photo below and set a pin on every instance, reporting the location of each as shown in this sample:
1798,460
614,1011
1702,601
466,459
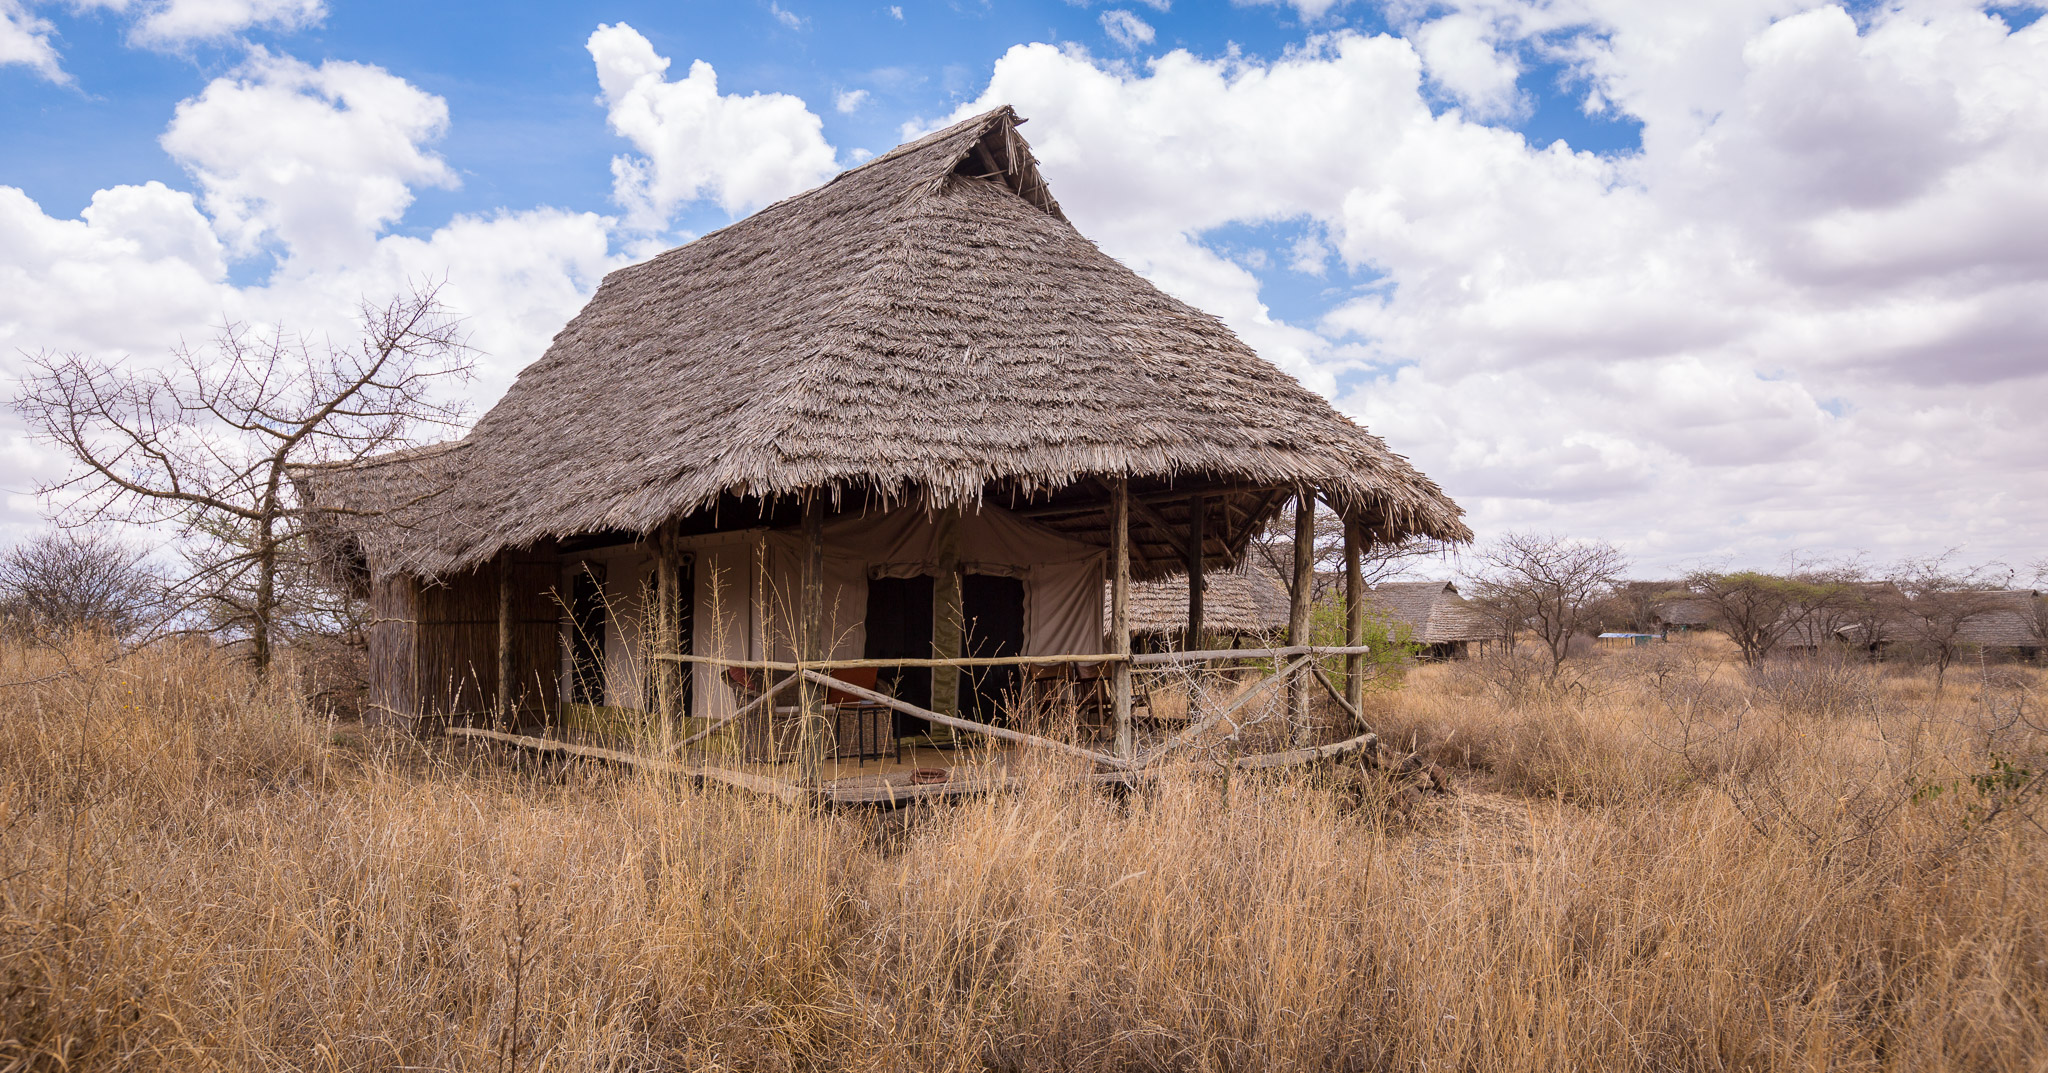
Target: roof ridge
799,392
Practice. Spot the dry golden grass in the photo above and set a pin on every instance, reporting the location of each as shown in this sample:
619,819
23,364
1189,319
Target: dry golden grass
1653,865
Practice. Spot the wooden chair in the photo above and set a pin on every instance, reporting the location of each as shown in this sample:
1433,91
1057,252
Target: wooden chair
861,728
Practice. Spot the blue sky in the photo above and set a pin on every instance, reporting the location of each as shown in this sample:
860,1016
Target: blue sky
526,127
1713,282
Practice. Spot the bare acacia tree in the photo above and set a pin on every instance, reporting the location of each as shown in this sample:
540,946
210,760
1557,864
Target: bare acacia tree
1546,584
2037,624
60,582
205,443
1942,601
1755,610
1634,604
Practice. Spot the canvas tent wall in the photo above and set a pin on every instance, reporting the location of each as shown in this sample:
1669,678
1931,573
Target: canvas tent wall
746,583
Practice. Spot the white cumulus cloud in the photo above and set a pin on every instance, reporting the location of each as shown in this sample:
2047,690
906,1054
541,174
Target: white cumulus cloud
850,101
25,40
1461,58
693,142
1309,10
1126,29
319,158
171,23
1772,327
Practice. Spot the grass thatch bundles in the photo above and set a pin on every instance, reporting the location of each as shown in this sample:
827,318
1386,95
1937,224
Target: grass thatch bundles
1433,611
927,327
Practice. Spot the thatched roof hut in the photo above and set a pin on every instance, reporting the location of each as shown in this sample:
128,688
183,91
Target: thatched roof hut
926,333
1436,617
2012,618
1248,601
1685,613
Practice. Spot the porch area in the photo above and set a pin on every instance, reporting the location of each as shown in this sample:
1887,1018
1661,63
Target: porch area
897,654
1224,708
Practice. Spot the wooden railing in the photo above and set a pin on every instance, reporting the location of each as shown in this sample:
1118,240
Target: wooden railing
1300,658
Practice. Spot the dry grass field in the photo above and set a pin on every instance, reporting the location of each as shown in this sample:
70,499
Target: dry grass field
1658,862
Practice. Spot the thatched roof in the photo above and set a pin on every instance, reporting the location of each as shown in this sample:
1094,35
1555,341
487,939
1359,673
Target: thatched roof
1685,611
1248,599
2007,621
926,327
1432,610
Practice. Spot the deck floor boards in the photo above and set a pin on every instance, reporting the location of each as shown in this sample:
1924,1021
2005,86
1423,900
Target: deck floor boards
971,768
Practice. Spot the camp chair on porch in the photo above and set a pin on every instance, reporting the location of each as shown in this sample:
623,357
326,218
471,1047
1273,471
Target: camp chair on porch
857,729
861,728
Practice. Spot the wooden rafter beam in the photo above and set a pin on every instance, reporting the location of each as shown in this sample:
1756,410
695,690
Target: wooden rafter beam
989,159
1150,516
1239,539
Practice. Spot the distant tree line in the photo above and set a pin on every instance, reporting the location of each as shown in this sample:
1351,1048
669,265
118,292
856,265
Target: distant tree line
1555,590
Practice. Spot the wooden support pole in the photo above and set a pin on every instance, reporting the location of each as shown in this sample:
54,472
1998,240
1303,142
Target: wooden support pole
949,614
667,630
1298,608
811,641
1120,612
505,712
1198,505
1198,584
1354,612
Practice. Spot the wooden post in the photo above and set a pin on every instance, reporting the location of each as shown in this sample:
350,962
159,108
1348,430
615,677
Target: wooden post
505,711
1354,612
1120,612
949,616
811,636
1298,608
667,599
1197,506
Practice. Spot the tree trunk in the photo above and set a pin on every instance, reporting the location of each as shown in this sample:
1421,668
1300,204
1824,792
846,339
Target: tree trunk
266,595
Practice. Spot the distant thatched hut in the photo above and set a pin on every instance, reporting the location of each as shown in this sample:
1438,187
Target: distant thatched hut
1248,603
910,413
2012,621
1444,624
1684,614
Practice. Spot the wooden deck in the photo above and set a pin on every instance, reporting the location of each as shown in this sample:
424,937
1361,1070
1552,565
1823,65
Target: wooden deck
975,768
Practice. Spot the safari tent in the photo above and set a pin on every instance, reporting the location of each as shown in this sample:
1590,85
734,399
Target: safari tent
909,415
